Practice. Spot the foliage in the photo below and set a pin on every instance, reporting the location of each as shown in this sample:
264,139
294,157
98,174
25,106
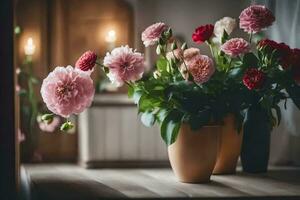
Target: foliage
167,98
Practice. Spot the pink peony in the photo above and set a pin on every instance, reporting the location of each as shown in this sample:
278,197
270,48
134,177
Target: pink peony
49,127
67,91
255,18
235,47
152,34
201,67
124,65
87,61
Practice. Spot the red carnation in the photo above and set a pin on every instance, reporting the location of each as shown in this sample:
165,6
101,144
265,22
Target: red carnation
203,33
268,44
87,61
254,78
283,50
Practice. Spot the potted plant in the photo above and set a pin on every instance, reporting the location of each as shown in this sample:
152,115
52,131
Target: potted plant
199,101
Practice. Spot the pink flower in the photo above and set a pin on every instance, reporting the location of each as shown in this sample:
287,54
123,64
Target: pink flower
189,53
255,18
178,54
201,67
235,47
49,127
67,91
152,34
125,65
87,61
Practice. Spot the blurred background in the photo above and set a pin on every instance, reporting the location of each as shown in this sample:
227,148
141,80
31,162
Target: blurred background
50,33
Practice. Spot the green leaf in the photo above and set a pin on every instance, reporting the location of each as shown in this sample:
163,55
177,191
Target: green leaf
148,119
137,95
162,64
225,37
147,103
170,127
130,91
161,115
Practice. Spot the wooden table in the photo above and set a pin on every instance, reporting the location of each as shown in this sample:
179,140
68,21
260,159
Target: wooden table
72,182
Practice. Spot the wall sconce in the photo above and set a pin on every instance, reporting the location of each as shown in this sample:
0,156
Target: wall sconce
110,38
29,47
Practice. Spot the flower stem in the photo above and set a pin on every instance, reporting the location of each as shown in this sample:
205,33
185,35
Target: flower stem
250,37
100,64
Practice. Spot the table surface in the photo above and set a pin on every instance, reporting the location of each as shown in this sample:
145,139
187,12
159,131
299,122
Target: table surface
76,183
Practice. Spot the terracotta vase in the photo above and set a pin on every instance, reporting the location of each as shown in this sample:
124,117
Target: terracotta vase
229,147
193,155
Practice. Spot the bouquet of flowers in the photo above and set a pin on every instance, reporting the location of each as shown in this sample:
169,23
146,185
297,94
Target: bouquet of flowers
187,86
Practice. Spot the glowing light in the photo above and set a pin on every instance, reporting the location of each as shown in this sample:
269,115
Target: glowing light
111,36
29,47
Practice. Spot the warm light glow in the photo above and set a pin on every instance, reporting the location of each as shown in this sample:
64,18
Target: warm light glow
111,36
29,47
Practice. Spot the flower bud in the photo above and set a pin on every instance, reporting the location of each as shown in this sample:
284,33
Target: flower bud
168,33
159,50
66,126
47,118
87,61
173,46
184,46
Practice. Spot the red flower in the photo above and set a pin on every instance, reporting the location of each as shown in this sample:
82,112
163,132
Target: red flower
203,33
87,61
268,43
254,78
283,50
